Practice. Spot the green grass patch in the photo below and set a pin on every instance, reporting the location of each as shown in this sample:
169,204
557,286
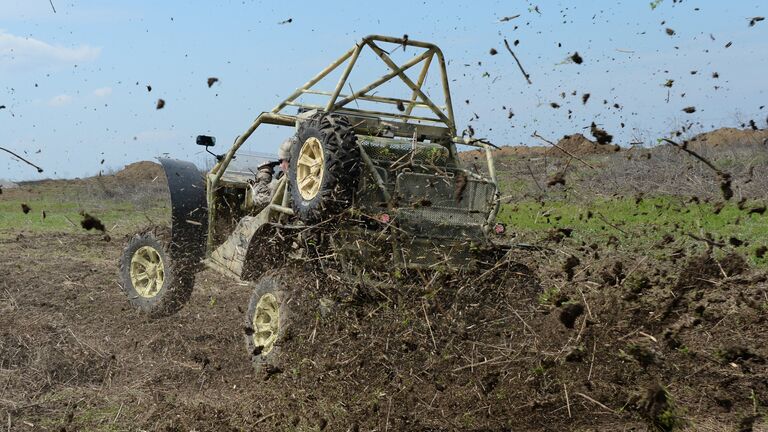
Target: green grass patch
62,215
639,224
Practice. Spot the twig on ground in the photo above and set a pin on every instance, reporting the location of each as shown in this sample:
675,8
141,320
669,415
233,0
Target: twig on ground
472,365
70,221
527,77
596,402
567,401
429,326
589,311
611,225
264,418
526,324
633,269
592,362
118,413
705,240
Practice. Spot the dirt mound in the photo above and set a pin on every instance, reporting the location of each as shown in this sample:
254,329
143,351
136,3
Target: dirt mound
576,144
140,172
579,145
478,156
728,137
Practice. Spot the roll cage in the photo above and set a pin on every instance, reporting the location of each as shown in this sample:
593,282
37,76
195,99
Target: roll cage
439,128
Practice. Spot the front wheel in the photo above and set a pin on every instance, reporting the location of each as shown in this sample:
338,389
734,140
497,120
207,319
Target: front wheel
267,322
154,282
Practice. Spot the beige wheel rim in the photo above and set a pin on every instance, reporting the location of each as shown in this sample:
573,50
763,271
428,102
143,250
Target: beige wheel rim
147,271
266,323
310,168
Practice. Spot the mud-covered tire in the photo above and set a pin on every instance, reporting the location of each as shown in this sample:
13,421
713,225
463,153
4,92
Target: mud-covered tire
332,193
267,322
163,298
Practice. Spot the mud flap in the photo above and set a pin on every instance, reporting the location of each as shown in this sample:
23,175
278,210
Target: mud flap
189,211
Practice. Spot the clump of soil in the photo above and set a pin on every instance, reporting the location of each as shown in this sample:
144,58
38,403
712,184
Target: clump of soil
600,135
570,313
90,222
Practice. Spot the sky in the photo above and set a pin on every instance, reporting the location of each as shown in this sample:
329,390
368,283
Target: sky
74,81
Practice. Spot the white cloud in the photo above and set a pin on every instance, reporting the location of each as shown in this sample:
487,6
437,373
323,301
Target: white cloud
26,51
103,91
60,100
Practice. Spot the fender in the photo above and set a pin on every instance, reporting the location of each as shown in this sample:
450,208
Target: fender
189,210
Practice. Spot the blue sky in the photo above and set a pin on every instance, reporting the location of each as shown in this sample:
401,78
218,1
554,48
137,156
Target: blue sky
68,79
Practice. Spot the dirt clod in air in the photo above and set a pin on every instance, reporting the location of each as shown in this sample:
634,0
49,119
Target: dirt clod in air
755,20
90,222
25,208
554,105
400,106
577,58
670,32
585,98
160,104
288,21
557,178
570,264
734,353
656,407
600,135
735,241
493,51
725,186
689,110
570,313
212,81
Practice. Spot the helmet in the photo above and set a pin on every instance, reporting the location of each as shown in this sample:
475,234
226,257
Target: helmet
284,153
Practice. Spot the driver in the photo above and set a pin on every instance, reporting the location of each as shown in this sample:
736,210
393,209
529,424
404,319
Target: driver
265,183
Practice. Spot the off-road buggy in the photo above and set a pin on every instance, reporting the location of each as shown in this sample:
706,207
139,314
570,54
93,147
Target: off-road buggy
369,192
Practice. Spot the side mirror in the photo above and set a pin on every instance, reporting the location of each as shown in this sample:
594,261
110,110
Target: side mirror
205,140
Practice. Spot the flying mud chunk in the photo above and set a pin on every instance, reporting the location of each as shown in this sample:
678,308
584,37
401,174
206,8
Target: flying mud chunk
90,222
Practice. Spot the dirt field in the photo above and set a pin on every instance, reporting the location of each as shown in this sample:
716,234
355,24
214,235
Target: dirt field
628,347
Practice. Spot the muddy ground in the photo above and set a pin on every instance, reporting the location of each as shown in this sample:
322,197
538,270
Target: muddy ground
670,342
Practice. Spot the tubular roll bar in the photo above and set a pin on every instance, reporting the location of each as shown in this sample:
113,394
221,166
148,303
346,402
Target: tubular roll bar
442,127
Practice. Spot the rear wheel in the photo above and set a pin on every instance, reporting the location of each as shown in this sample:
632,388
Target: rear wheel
267,322
325,167
153,281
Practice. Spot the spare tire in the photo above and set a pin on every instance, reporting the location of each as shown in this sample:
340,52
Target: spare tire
325,167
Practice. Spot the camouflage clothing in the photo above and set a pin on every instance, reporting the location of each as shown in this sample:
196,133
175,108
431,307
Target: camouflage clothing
261,188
